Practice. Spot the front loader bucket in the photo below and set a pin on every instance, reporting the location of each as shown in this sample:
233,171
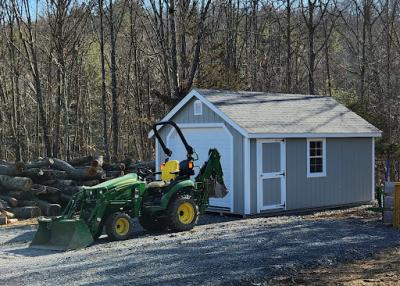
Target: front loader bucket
62,234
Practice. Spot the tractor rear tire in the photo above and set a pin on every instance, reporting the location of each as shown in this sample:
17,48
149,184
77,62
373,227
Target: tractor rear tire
182,213
119,226
153,223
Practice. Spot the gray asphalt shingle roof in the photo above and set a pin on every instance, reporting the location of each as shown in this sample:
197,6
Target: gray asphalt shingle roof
259,112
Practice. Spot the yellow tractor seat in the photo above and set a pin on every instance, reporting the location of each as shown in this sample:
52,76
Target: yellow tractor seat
170,170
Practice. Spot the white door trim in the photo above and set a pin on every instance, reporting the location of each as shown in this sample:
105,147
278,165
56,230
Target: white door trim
260,205
211,125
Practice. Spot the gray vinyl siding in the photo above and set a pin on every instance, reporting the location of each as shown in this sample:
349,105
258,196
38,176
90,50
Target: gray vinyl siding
348,174
253,176
186,115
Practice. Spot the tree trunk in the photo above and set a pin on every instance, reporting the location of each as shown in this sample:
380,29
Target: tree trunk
288,46
114,91
103,83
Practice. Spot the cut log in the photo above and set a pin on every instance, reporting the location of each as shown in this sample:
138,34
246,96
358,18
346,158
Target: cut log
41,163
128,162
48,209
47,182
114,174
90,183
42,189
20,195
3,219
79,173
147,164
12,202
71,190
97,162
52,198
12,220
26,212
114,167
3,205
8,183
50,174
66,183
8,214
33,173
11,169
64,198
81,161
25,203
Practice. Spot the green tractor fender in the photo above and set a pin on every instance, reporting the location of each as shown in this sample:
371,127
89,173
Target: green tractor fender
178,188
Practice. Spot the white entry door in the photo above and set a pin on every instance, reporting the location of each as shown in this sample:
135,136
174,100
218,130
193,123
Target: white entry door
271,166
202,139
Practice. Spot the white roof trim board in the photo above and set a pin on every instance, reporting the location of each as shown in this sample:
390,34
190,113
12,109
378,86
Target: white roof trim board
271,115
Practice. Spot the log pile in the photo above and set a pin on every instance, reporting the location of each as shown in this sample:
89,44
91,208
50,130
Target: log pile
45,186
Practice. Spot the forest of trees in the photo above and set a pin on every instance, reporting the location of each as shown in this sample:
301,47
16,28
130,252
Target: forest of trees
79,77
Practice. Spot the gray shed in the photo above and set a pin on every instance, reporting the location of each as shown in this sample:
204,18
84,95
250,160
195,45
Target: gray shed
280,152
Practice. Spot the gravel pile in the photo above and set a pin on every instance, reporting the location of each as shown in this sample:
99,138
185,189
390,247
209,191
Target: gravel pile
225,251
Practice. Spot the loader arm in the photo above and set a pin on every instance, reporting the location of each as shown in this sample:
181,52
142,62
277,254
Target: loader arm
210,180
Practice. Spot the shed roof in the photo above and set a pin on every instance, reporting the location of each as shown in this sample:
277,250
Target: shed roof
263,114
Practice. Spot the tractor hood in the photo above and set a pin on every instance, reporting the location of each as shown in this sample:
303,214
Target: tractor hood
117,183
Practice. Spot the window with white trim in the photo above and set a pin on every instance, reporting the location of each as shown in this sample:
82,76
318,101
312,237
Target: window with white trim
198,107
316,157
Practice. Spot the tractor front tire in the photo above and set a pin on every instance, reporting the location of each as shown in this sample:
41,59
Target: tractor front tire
182,213
119,226
152,223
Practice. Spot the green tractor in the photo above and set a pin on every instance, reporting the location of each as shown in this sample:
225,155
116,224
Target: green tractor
173,202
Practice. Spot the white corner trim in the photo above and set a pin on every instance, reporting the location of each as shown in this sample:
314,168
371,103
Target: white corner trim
373,168
247,185
314,135
323,173
195,93
211,125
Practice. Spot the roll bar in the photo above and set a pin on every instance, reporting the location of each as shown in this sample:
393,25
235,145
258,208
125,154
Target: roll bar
167,151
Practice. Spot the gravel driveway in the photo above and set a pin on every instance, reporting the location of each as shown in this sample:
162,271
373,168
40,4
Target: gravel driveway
221,250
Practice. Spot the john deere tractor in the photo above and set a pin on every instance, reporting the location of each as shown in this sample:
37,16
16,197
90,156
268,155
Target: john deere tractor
172,202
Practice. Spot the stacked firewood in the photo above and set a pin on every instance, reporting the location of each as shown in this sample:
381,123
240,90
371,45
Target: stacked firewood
45,186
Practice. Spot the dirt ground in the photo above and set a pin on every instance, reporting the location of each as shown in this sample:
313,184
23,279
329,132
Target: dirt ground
340,247
382,269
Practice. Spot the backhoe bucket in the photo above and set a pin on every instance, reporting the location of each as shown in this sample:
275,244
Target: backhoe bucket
62,234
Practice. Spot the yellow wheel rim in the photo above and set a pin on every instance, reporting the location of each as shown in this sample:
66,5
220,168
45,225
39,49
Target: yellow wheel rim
186,213
122,226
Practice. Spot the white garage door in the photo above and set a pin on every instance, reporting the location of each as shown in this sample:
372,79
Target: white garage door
202,139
